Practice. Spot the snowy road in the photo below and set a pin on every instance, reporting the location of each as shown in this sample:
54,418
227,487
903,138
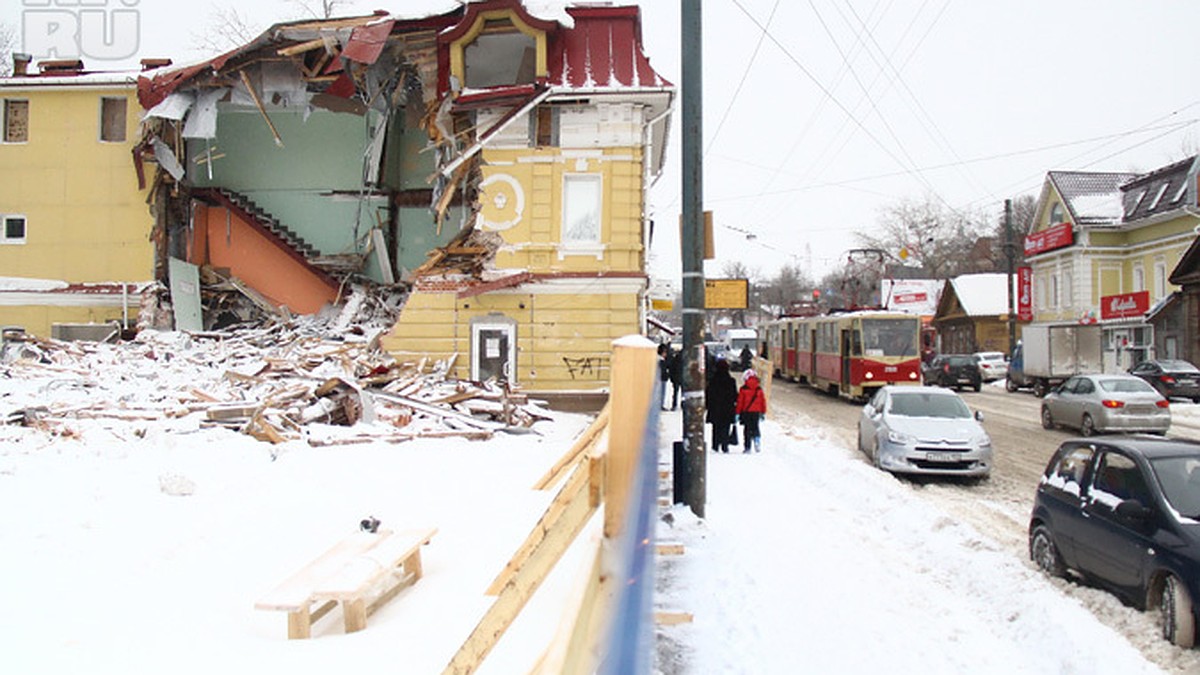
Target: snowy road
998,508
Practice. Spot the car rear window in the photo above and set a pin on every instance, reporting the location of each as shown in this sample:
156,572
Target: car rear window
1178,367
960,360
1125,386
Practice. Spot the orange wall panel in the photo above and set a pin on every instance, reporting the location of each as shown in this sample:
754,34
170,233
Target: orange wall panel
225,240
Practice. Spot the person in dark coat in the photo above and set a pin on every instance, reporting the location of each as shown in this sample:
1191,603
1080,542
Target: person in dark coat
751,406
664,370
720,397
746,358
675,373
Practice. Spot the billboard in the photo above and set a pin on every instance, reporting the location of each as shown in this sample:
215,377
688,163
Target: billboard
1025,293
915,296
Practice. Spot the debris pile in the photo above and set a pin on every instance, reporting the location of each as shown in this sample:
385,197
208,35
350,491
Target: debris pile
322,379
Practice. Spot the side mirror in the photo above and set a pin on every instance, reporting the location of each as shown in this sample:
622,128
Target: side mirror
978,415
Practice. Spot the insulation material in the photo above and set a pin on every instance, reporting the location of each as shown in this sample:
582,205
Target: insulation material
173,107
167,160
202,122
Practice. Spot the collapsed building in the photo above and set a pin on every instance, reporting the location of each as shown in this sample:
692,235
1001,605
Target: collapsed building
491,161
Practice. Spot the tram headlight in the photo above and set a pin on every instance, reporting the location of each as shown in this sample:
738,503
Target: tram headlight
912,376
870,375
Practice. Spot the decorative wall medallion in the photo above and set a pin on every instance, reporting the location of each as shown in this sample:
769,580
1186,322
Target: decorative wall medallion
507,200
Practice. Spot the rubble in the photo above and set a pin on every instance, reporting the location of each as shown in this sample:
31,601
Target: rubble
321,379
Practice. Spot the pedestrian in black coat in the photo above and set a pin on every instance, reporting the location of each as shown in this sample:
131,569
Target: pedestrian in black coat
675,373
720,398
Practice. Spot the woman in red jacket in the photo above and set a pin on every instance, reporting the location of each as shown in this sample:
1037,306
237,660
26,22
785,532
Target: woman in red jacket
751,405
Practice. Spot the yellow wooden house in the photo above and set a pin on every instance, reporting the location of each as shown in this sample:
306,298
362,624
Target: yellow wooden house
1101,249
569,123
74,227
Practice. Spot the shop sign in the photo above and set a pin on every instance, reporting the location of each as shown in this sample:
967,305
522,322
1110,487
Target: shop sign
1056,236
1025,293
1124,305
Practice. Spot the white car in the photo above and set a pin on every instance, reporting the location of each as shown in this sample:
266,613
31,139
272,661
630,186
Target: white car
924,430
992,365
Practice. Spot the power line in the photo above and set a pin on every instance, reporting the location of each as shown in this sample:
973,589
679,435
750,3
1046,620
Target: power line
745,73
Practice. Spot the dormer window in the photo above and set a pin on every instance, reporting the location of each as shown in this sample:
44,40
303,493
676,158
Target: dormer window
1056,213
501,55
501,47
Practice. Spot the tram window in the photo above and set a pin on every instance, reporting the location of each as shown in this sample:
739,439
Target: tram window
856,342
889,337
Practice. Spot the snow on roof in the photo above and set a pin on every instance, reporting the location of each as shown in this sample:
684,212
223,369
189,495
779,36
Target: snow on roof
1102,206
23,284
982,294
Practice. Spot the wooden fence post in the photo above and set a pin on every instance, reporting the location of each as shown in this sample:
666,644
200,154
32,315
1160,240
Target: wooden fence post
634,372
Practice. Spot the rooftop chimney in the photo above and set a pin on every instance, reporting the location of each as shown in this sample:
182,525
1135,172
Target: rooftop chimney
21,63
61,67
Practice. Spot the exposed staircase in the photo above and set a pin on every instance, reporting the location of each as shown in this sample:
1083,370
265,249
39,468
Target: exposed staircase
253,213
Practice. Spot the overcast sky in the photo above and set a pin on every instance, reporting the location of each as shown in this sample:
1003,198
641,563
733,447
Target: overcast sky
840,108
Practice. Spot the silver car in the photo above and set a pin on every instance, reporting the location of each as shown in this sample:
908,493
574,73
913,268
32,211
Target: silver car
1098,403
924,431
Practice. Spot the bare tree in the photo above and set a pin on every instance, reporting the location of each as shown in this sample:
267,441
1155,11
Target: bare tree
927,234
226,29
1022,216
318,9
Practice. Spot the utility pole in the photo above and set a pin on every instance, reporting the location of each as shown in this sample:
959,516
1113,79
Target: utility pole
1009,253
692,251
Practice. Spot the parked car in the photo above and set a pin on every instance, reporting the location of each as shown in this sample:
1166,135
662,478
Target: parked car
1098,403
992,365
924,431
953,371
1123,513
1171,377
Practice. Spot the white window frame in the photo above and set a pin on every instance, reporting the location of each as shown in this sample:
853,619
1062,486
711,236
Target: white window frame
1055,299
4,120
1160,279
13,241
1139,278
591,245
1068,290
124,121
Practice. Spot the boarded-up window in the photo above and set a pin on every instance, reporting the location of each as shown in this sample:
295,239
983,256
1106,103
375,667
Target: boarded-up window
16,121
14,230
581,208
112,120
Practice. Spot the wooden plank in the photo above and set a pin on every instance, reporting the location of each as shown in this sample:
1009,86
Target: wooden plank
669,548
368,567
523,584
301,47
634,366
672,618
581,445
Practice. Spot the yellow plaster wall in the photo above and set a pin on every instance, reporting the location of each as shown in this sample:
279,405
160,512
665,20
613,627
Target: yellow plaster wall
531,222
86,221
38,319
564,341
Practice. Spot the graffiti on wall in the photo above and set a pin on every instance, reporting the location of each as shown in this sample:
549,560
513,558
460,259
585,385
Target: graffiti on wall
587,367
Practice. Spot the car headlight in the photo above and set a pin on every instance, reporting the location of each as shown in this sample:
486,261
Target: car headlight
983,441
900,437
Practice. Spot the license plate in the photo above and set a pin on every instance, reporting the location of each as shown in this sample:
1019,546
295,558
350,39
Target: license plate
964,380
941,457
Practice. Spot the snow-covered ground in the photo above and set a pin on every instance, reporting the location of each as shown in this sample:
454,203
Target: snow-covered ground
142,547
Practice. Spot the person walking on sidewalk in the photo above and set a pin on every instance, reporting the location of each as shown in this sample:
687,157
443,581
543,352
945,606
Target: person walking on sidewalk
675,374
751,406
664,370
720,397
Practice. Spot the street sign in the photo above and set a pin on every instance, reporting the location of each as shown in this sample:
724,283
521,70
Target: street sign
726,293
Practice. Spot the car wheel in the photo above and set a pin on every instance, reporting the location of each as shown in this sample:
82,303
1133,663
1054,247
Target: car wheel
1175,613
1039,389
1009,385
1047,418
1044,553
1088,426
977,387
1196,399
861,448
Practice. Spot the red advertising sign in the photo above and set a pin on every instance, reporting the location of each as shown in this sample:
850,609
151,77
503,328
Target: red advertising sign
1124,305
910,298
1056,236
1025,293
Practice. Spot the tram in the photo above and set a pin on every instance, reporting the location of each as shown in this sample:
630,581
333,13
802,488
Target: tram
848,353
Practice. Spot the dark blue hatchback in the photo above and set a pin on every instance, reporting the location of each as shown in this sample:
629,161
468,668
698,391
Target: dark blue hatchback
1124,513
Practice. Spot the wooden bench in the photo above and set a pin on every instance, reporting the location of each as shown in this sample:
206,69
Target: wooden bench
360,566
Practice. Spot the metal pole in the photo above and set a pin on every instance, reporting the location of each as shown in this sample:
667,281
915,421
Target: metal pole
692,252
1009,252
